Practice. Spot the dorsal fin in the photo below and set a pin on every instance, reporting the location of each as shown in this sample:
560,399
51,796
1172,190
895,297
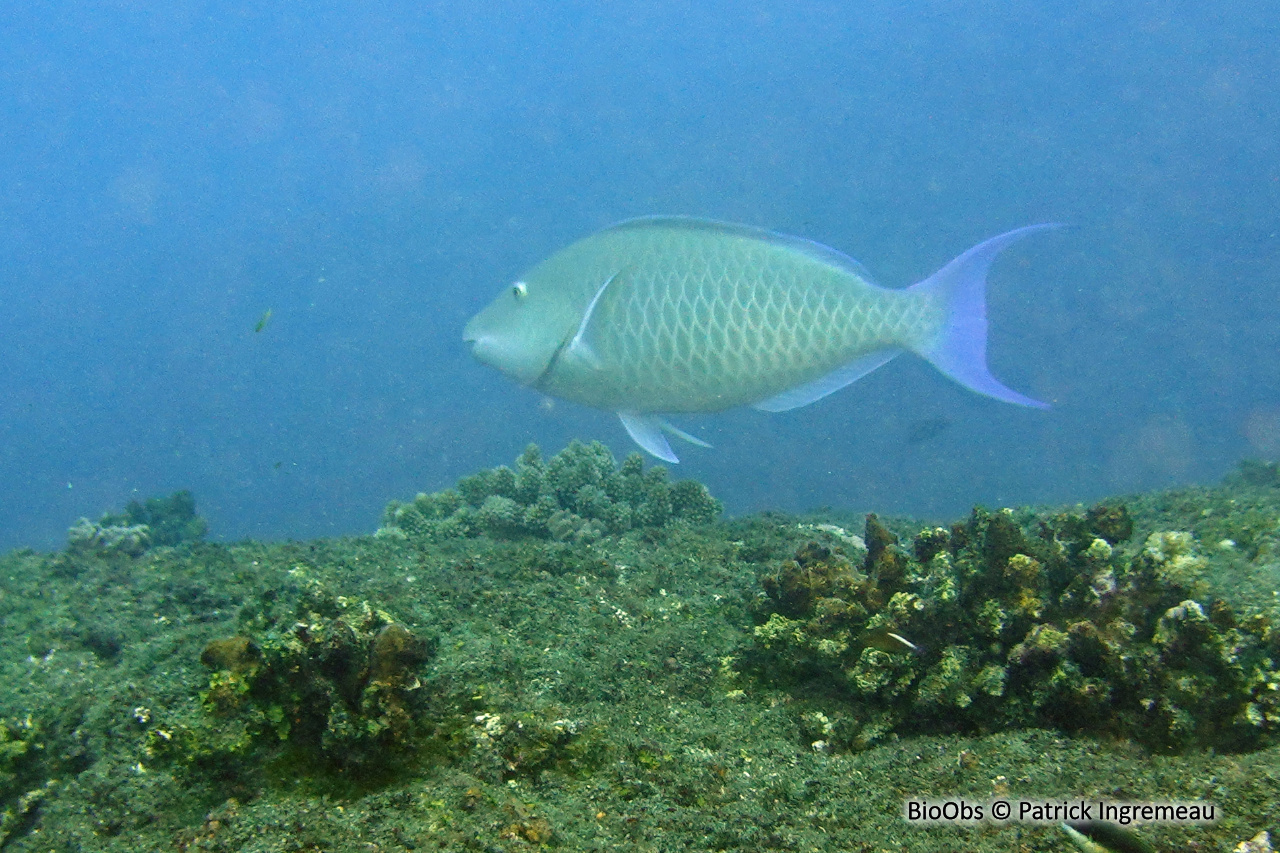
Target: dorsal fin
808,248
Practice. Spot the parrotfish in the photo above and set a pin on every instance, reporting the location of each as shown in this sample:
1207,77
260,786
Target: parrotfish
665,315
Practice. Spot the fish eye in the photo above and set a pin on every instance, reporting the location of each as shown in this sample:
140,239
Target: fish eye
519,290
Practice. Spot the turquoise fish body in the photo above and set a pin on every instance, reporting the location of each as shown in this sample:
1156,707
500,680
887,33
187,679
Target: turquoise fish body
666,315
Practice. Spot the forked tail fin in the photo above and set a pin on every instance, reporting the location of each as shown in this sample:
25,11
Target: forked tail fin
959,349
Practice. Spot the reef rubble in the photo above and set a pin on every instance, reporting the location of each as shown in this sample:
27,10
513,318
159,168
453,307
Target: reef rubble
645,676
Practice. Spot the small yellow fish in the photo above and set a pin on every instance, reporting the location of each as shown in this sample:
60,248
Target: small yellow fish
262,321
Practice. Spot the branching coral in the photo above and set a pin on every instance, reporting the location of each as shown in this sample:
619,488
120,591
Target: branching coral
581,494
158,521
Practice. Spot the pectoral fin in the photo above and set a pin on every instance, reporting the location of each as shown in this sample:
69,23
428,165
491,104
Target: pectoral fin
579,346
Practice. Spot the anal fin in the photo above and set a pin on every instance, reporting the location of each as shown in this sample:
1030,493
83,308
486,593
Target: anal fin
811,392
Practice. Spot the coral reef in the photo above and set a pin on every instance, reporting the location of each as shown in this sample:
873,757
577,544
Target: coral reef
105,539
704,686
333,685
171,520
579,495
158,521
987,626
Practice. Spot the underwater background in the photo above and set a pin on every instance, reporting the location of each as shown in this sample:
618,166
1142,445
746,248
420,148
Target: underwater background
372,174
325,592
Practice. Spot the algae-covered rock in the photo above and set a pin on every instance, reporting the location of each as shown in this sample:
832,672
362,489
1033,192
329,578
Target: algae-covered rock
20,787
1012,620
335,685
816,573
1175,557
579,495
15,744
525,743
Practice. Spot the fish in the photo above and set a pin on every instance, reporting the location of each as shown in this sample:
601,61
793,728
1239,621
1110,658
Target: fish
929,428
668,315
887,641
1097,836
262,321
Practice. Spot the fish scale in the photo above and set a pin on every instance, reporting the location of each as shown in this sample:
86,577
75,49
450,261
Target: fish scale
740,338
667,315
700,341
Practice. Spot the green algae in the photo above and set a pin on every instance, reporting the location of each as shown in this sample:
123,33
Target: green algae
612,693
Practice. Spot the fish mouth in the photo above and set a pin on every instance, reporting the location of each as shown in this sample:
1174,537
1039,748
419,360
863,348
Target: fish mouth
472,339
471,332
489,352
478,349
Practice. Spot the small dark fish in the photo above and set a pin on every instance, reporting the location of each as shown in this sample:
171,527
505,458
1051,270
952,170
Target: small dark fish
1099,836
888,641
262,321
921,431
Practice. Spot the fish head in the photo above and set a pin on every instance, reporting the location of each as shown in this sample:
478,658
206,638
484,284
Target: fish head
523,330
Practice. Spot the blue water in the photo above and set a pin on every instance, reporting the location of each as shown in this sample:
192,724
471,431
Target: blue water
373,173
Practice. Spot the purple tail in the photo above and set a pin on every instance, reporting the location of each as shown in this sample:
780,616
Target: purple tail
960,349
